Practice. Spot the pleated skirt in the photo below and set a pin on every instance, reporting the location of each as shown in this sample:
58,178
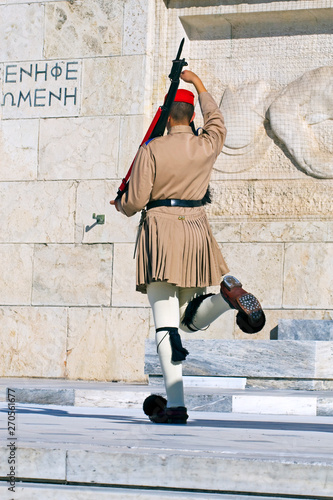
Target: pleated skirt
176,245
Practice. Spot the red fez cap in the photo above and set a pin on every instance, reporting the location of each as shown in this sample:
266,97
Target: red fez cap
183,95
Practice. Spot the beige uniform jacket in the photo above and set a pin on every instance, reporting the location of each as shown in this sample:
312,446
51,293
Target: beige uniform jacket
177,165
176,244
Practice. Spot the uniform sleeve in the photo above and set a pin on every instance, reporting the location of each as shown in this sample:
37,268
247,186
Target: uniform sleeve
213,121
140,184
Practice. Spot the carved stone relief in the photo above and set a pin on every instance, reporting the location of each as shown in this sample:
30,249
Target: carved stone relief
300,116
244,113
304,103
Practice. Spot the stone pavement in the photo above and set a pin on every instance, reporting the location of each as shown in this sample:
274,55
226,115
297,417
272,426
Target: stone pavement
83,452
217,394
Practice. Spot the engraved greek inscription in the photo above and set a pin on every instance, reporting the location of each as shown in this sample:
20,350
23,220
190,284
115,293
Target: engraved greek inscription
21,96
41,84
29,73
9,73
51,94
41,72
4,99
69,96
69,70
38,98
56,71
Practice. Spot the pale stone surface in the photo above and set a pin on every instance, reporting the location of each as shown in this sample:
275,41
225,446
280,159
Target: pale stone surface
93,197
297,384
284,231
9,2
102,94
270,405
220,382
232,358
50,396
124,282
330,231
294,329
81,29
269,46
22,29
112,399
225,232
273,316
291,476
28,491
16,262
72,275
78,148
135,31
306,102
308,276
259,268
118,447
259,199
325,406
33,341
132,132
107,344
209,402
35,462
37,212
324,360
296,199
18,150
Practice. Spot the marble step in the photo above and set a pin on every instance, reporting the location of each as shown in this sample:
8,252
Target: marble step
259,359
208,456
213,394
213,453
34,491
305,329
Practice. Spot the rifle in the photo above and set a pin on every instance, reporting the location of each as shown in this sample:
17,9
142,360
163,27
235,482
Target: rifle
157,126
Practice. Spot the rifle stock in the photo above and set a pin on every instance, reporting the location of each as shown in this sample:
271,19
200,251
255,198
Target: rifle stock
157,126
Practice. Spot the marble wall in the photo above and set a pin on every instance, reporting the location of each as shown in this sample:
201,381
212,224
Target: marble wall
80,82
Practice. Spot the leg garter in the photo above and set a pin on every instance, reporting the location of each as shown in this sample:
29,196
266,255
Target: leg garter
179,353
191,311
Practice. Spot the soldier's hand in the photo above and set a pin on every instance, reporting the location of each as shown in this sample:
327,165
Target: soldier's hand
115,203
188,76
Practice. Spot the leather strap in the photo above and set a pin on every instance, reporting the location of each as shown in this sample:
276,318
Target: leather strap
174,203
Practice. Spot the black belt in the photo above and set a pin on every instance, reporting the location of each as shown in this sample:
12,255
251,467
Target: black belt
174,203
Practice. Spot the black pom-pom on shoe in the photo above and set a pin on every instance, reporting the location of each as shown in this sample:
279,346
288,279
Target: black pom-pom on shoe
153,404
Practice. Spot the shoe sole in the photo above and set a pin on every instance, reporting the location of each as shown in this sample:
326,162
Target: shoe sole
250,305
176,421
247,303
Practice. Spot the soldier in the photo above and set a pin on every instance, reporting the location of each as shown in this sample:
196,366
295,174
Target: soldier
177,255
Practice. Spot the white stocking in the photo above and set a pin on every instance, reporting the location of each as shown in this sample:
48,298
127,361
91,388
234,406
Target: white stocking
163,298
168,303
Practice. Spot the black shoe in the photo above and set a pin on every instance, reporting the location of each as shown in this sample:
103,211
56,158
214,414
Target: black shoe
250,317
155,407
